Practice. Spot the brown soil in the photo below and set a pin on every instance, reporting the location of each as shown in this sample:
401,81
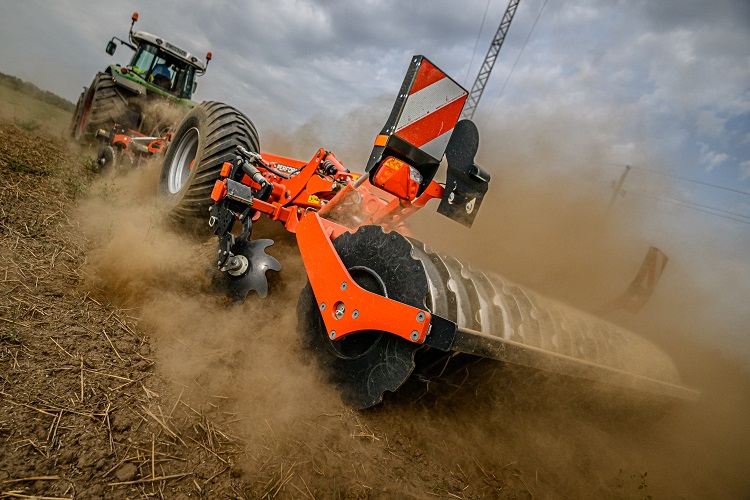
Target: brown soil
123,375
85,414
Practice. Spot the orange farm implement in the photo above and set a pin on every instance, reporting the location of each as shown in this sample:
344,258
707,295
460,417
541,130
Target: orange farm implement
379,305
120,146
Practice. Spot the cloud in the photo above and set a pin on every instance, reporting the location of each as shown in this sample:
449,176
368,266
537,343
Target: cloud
662,71
711,159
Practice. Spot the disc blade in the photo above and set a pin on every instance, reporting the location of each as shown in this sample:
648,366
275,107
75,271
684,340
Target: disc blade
238,287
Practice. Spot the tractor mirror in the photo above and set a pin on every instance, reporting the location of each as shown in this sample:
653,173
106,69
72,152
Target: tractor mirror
111,47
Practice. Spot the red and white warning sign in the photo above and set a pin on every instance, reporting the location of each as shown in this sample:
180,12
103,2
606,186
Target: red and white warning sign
431,110
643,285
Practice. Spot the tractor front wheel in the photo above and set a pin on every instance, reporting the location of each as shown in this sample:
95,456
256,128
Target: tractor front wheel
207,137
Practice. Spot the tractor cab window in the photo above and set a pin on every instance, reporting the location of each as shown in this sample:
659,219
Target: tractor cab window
143,59
185,81
162,69
173,75
162,74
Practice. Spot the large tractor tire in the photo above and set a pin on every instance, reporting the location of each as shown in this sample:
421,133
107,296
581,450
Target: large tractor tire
103,105
76,120
207,137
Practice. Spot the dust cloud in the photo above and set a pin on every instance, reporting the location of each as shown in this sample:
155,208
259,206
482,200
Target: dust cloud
545,224
161,117
209,346
549,223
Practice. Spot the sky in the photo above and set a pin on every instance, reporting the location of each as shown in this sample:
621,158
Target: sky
662,86
680,69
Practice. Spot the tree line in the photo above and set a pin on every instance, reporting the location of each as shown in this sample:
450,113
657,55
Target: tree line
29,88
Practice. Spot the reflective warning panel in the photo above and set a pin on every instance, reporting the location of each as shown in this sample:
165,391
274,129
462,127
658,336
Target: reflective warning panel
423,117
431,110
643,285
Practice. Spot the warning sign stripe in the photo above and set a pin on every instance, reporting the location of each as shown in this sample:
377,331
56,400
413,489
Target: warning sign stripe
426,76
421,131
428,100
431,110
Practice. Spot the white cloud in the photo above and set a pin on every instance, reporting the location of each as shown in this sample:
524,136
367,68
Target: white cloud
687,78
711,159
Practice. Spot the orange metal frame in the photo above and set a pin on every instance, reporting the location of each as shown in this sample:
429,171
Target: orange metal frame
300,204
346,307
124,140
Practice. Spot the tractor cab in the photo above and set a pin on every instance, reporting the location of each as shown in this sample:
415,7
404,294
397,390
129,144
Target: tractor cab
159,63
164,65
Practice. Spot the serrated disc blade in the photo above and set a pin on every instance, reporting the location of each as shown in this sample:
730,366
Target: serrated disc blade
255,277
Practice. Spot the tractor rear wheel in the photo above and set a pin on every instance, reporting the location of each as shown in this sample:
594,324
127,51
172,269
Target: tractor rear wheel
76,120
103,105
207,137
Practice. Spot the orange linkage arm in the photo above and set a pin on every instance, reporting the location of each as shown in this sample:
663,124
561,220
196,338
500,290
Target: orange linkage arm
346,307
296,184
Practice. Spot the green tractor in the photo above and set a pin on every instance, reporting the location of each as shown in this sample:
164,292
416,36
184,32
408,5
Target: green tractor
142,96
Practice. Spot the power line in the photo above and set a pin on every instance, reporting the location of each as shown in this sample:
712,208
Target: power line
476,44
682,178
695,206
516,61
692,203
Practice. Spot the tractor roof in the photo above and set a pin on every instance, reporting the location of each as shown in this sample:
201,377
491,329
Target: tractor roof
172,49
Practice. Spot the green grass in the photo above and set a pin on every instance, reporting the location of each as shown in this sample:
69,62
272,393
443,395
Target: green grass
32,114
13,337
